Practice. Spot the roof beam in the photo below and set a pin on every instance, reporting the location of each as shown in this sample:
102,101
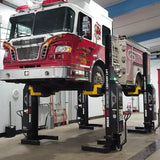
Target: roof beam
146,36
8,4
129,6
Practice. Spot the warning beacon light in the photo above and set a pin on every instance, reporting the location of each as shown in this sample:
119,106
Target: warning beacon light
31,4
34,4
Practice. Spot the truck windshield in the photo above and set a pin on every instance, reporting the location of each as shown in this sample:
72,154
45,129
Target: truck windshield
48,21
55,20
21,26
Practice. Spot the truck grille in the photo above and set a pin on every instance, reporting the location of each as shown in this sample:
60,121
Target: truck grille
28,53
28,42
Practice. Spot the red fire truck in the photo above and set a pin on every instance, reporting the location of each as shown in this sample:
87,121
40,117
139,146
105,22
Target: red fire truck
60,44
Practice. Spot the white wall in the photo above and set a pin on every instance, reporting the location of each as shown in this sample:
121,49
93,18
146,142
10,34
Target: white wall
72,104
5,11
6,89
96,106
155,64
6,96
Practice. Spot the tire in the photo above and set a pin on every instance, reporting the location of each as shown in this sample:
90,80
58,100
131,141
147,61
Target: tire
98,76
139,81
132,88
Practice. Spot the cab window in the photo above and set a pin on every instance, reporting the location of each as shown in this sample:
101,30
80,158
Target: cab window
84,26
105,31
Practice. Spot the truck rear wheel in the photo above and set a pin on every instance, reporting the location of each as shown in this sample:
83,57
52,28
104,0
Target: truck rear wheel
139,81
98,76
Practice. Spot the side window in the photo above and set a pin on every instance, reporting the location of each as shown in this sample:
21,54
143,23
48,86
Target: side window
84,26
105,31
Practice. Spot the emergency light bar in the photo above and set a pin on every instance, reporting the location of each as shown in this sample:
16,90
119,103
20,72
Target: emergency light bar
22,8
44,3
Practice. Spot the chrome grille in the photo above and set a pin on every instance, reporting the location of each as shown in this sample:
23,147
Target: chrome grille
28,53
28,41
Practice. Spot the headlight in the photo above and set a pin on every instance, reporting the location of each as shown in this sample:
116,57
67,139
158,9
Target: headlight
63,49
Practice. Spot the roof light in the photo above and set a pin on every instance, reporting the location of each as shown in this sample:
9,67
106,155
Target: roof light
34,4
31,4
22,8
47,2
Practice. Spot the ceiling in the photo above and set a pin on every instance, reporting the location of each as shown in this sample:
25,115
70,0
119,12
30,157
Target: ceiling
139,20
15,2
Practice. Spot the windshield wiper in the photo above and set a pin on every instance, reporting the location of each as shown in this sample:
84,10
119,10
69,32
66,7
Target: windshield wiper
23,34
47,32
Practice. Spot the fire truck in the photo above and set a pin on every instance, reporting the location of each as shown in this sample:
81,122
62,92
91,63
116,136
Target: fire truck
60,45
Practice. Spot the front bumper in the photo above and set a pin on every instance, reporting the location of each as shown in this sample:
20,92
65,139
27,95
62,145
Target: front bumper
42,73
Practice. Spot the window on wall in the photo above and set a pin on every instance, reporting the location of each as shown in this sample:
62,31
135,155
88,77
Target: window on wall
105,31
0,32
84,26
3,32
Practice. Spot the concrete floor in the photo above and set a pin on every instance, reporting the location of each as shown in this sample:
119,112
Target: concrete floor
68,147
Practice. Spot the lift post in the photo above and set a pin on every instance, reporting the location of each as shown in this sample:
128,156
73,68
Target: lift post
148,102
149,99
150,114
30,118
113,108
82,112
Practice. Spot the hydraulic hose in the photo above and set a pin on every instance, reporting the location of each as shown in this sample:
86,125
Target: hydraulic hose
127,115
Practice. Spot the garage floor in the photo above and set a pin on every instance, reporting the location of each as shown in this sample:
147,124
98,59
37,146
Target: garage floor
68,147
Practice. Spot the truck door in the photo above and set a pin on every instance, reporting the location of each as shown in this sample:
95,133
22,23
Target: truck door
83,53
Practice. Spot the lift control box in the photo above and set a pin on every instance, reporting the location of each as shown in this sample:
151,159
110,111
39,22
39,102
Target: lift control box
151,108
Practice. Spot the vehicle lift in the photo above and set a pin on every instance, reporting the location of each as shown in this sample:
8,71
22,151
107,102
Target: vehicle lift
30,117
148,92
82,110
113,106
113,110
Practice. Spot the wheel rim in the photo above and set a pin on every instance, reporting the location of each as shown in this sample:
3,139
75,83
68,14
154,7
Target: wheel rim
138,82
98,79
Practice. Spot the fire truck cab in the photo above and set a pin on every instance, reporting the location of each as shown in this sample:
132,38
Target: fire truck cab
60,44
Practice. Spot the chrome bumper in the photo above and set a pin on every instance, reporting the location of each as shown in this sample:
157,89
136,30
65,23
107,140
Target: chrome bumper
40,73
